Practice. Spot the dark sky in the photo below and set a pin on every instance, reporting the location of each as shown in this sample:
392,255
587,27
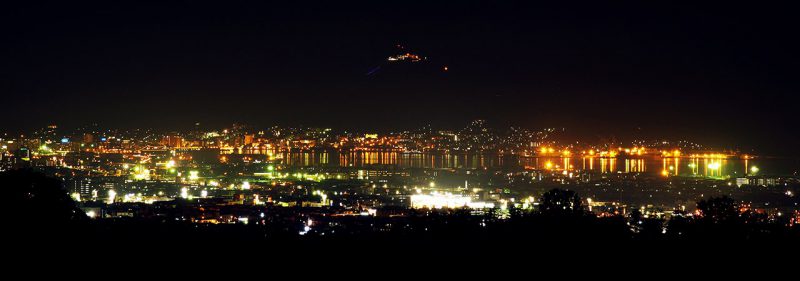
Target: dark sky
719,73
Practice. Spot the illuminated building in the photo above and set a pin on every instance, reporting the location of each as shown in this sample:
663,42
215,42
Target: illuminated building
439,201
172,141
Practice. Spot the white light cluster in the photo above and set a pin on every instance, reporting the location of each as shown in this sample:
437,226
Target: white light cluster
446,200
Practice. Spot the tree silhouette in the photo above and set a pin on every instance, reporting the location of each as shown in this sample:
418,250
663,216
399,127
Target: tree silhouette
36,200
636,217
721,220
561,202
719,210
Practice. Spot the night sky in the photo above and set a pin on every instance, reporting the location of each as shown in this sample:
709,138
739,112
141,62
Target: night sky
724,74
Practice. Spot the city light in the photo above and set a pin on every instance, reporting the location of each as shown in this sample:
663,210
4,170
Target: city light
282,128
141,173
439,201
372,172
111,196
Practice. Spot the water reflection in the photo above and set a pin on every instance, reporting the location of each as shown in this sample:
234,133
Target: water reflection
392,158
667,166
